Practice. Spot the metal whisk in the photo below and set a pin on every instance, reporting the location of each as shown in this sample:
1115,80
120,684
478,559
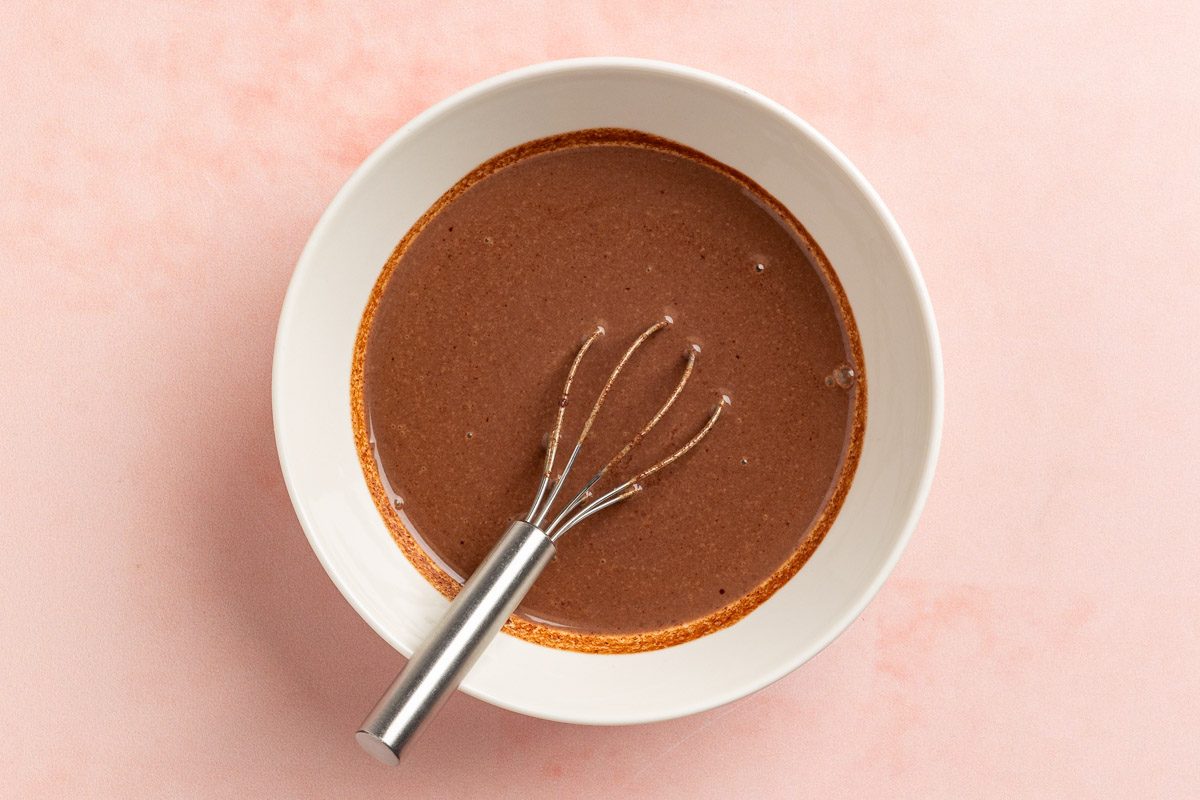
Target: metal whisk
500,583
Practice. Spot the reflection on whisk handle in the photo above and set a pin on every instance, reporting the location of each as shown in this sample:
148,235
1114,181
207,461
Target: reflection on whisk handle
474,618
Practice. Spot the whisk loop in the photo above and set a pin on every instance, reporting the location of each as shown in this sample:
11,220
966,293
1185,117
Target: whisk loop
549,487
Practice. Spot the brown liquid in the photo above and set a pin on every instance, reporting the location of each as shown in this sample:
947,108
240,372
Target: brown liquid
480,311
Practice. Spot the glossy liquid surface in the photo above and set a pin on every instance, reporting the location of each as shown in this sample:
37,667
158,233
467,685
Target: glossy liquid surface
486,306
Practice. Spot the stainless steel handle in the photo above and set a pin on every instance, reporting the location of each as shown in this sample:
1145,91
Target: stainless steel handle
474,618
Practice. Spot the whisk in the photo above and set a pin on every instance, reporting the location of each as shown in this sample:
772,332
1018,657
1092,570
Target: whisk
500,583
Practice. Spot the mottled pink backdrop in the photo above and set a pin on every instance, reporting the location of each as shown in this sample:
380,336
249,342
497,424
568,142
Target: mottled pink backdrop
166,630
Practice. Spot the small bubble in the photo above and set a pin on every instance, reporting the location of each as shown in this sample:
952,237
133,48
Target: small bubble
745,461
844,376
829,380
398,503
470,435
760,267
489,241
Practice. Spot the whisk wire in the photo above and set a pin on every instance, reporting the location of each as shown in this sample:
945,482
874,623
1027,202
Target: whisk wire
550,487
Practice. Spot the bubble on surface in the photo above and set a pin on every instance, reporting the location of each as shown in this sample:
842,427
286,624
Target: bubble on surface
844,377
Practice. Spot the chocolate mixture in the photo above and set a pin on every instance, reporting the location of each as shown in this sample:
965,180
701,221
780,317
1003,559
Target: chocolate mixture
477,316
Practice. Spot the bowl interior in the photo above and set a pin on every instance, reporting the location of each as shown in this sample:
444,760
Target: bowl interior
406,175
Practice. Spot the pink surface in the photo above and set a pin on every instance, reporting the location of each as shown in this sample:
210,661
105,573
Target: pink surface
168,633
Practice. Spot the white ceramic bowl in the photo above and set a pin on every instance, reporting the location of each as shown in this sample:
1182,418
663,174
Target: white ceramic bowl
400,180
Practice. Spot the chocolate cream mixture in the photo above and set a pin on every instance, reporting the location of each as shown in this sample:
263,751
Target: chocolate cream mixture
475,320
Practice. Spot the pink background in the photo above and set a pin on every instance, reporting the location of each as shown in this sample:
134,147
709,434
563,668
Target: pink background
168,633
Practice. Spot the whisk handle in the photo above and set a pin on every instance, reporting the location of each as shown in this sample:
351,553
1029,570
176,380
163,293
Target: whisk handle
474,618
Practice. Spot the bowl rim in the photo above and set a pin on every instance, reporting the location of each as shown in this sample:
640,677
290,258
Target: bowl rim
636,65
